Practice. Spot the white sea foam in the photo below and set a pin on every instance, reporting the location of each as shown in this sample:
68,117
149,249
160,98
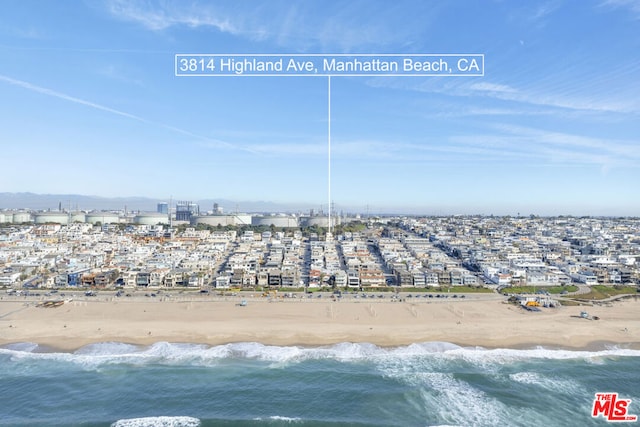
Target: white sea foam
440,382
481,356
279,418
269,353
28,347
554,384
108,349
458,401
430,353
345,352
418,349
526,378
158,422
453,400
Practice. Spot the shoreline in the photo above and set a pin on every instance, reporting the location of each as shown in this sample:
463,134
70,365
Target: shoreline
592,347
490,324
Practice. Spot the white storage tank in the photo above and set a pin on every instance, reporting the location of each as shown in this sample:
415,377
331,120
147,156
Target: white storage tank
281,221
151,218
102,218
78,217
20,217
51,217
214,220
320,221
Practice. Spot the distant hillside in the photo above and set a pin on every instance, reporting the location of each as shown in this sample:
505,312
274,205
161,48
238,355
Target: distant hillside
53,201
82,202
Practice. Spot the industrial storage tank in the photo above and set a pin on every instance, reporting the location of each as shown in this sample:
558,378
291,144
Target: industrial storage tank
51,217
243,219
151,218
20,217
284,221
214,220
319,221
102,218
78,217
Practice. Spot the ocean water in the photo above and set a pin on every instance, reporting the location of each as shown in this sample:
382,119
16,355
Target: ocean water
250,384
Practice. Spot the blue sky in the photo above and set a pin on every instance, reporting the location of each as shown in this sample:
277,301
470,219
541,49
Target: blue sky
90,105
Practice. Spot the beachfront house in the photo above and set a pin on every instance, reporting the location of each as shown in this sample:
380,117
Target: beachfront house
223,282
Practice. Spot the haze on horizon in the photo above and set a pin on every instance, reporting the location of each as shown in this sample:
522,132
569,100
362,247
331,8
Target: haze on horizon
91,106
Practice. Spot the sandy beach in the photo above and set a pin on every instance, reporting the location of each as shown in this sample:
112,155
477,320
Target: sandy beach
489,322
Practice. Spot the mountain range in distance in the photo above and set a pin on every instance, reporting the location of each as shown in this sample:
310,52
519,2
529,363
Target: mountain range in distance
74,202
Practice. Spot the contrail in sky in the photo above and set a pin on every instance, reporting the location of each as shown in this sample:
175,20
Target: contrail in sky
59,95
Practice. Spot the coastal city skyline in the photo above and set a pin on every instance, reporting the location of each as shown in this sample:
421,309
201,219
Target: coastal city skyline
43,204
91,106
437,315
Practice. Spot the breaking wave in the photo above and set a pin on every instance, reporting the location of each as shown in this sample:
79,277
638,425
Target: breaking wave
203,355
158,422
